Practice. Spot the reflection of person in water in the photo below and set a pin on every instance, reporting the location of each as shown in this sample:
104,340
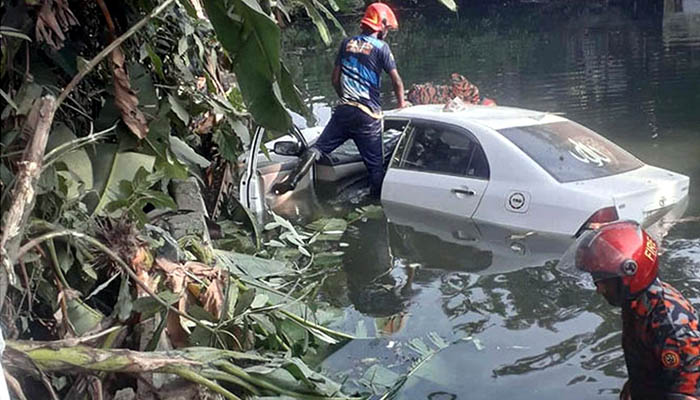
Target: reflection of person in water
385,297
660,333
377,287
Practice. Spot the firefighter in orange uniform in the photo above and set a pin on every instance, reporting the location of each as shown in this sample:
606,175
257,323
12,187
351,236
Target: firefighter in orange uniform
660,335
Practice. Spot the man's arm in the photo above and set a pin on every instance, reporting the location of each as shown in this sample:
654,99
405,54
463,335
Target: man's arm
335,80
398,87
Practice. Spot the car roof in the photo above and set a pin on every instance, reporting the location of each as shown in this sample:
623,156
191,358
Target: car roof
494,117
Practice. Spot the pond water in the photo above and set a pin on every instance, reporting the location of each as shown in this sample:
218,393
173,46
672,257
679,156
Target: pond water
515,326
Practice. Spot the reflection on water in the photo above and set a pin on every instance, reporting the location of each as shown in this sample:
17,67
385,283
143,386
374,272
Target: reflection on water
542,336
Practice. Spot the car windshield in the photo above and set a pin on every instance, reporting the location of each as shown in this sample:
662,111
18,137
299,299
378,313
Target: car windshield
571,152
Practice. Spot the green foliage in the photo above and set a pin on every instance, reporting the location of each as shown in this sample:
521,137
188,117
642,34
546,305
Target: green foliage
311,9
252,40
134,194
328,228
112,168
251,266
74,160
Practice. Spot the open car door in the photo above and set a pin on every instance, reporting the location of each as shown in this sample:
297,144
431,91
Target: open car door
280,156
251,185
263,168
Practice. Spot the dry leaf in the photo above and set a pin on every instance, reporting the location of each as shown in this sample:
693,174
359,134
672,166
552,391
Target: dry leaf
179,277
213,299
175,274
142,260
167,265
204,124
202,270
64,15
141,264
53,19
124,97
176,333
175,278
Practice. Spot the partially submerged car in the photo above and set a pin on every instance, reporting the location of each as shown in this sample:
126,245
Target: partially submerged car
513,167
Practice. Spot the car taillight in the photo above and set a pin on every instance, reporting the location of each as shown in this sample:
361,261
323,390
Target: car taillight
599,218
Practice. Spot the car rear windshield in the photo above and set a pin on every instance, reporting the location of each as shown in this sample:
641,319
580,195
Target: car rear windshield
571,152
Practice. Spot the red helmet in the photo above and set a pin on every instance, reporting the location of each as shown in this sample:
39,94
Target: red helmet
378,16
620,249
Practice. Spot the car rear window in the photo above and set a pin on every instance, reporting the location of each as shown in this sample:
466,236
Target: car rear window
571,152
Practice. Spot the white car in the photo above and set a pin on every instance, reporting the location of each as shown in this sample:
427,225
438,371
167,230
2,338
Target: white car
518,168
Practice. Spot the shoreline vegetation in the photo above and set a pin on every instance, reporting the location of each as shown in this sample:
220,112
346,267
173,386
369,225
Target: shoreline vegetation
129,269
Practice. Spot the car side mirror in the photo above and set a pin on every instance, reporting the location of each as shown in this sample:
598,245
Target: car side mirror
287,148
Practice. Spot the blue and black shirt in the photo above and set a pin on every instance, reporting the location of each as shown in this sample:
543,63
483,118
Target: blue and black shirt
361,59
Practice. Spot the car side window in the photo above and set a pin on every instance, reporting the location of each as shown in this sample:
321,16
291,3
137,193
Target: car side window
444,150
478,165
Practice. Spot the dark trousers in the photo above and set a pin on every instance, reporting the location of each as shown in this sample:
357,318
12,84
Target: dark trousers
349,122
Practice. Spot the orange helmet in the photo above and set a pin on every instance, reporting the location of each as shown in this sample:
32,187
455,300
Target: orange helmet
620,249
378,16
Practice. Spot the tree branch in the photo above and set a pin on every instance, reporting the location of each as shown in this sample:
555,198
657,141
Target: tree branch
23,194
204,366
104,53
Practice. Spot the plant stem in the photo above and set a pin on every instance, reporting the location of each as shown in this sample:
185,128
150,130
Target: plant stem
222,376
196,378
239,372
323,329
48,357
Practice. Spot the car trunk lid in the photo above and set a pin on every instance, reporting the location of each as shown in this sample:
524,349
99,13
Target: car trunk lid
644,194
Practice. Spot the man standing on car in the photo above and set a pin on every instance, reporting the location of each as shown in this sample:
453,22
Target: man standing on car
660,334
357,80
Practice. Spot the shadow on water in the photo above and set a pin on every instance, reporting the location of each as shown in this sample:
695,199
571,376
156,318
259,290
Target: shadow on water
532,332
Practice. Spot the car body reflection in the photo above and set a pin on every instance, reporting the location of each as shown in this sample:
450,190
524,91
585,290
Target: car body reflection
435,240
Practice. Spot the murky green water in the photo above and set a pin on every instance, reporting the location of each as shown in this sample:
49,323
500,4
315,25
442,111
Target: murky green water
534,334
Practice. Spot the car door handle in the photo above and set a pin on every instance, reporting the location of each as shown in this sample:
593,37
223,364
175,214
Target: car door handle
461,235
465,191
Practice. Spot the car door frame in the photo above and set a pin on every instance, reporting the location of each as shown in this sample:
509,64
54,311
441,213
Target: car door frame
251,186
404,148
